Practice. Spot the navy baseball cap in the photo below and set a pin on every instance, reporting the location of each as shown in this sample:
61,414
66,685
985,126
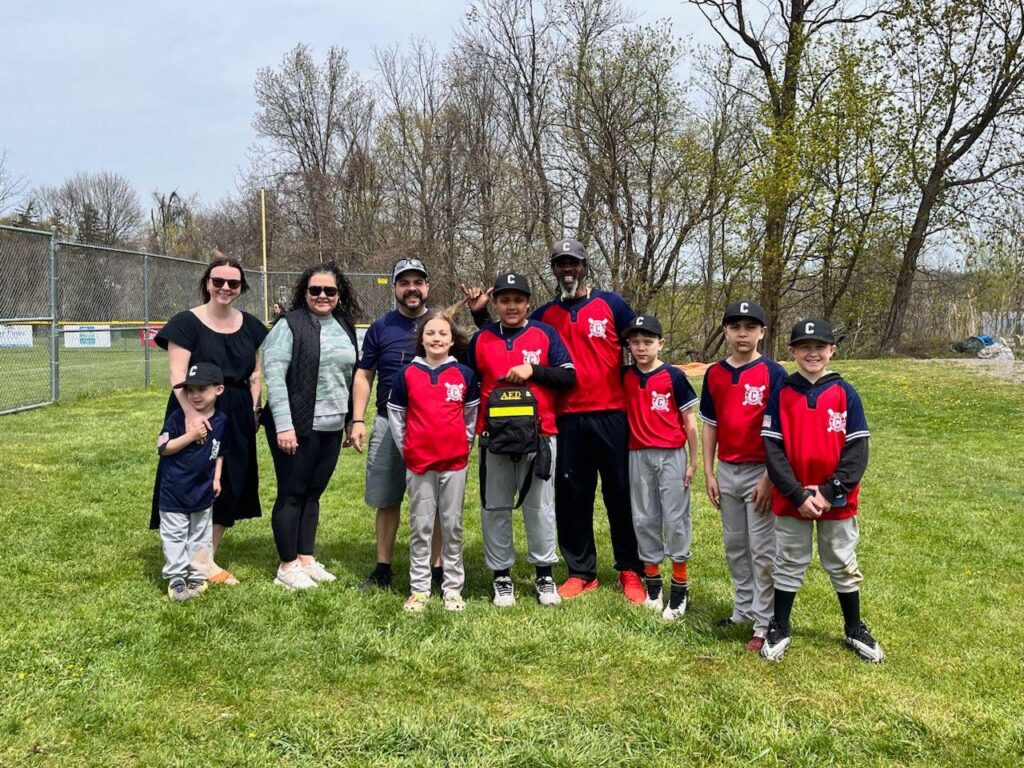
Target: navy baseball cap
813,328
573,248
510,281
201,374
646,323
744,309
407,264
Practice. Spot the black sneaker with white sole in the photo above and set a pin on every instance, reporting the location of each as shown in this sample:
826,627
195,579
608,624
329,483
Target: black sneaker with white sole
678,598
776,642
859,638
379,578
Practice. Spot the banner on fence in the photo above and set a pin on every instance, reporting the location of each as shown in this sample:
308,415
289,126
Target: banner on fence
16,336
147,336
86,336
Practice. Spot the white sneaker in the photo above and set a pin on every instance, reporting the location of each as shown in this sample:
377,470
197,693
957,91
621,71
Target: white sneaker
504,593
293,577
547,592
453,601
316,571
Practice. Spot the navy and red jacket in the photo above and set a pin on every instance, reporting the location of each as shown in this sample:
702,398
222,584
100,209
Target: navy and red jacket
495,349
591,328
655,402
433,411
733,401
815,435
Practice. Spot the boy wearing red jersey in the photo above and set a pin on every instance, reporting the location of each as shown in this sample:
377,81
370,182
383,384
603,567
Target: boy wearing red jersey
816,442
732,403
659,407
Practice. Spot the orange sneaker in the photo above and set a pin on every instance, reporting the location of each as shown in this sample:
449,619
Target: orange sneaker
755,644
633,586
574,586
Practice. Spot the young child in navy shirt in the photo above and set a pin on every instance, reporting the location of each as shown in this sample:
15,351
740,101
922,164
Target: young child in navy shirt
816,441
191,460
662,426
432,411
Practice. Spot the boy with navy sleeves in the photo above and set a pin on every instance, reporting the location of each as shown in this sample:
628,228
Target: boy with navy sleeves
659,407
816,442
191,461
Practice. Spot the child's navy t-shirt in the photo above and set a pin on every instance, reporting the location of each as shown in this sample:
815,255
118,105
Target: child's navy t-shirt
186,478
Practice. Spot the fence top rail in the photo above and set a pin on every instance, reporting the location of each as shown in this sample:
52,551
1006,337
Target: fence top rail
11,228
6,320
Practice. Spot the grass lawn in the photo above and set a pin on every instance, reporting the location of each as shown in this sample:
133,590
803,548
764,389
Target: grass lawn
98,668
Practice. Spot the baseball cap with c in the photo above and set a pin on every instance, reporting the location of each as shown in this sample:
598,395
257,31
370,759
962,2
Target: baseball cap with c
201,374
645,324
744,309
812,328
573,248
510,281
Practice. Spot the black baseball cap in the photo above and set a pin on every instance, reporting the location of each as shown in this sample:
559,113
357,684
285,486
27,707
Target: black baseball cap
744,309
572,248
407,264
646,323
201,374
815,328
510,281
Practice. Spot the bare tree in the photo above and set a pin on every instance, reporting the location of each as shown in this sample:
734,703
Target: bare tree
10,187
101,208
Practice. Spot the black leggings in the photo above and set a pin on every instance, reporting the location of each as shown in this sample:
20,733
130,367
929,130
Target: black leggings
301,479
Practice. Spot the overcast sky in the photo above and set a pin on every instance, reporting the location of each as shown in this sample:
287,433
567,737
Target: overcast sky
162,92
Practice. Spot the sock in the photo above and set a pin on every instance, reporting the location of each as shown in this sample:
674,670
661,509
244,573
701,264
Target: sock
679,572
850,603
437,572
543,571
384,567
783,607
652,570
503,572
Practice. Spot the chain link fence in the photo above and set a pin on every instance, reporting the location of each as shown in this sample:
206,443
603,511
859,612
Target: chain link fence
77,319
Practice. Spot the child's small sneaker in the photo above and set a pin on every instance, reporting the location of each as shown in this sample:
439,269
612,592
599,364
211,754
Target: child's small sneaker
504,592
196,587
755,644
453,600
547,592
775,642
655,600
177,590
316,571
678,597
293,577
864,645
416,602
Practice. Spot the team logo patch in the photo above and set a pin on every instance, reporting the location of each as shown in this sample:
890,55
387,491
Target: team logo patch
531,357
766,422
753,395
454,393
836,421
659,402
598,328
214,449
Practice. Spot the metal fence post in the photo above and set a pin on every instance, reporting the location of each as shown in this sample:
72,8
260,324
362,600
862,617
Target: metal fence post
54,326
145,313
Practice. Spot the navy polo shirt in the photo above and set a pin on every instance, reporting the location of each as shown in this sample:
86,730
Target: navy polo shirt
389,345
186,477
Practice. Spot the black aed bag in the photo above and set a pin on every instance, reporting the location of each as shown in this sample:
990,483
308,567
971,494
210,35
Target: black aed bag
512,428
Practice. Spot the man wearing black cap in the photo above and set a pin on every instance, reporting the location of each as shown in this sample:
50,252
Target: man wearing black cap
592,431
519,351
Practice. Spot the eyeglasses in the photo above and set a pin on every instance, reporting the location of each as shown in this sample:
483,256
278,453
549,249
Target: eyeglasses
218,282
328,290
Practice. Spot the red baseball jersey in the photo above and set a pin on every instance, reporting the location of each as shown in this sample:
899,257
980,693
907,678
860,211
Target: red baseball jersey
591,328
433,400
813,422
495,349
655,402
733,401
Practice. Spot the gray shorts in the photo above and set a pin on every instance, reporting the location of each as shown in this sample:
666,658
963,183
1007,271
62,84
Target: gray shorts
385,470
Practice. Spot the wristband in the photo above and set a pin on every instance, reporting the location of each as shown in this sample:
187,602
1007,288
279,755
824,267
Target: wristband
358,421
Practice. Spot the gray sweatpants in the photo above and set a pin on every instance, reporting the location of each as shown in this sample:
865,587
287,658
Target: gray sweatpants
501,487
436,494
187,540
660,504
749,539
837,550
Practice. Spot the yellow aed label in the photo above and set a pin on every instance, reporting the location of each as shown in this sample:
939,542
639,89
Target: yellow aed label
382,281
512,394
511,410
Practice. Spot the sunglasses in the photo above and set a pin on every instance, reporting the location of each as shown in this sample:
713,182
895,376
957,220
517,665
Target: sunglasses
327,290
218,282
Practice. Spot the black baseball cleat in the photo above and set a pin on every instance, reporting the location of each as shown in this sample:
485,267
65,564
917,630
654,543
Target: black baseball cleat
678,598
776,642
379,578
859,638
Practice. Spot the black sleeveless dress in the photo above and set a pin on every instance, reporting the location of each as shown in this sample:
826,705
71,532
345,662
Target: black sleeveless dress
235,353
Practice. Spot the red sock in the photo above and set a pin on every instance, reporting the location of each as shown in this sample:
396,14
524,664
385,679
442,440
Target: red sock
679,572
652,569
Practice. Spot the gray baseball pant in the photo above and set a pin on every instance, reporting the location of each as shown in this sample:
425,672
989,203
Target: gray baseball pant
749,539
436,494
837,550
187,540
501,487
660,504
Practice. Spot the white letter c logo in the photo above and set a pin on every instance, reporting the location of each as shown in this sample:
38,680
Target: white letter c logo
808,328
744,307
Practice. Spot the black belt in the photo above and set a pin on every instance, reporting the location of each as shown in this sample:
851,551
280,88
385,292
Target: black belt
244,383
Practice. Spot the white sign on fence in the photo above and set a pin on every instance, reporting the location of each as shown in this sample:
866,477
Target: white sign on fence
86,336
16,336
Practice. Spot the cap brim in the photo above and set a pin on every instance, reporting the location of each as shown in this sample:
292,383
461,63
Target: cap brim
733,318
397,275
506,288
813,337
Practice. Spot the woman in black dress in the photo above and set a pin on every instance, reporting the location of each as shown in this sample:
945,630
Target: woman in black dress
217,332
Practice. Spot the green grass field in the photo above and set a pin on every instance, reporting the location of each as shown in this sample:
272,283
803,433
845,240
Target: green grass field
98,668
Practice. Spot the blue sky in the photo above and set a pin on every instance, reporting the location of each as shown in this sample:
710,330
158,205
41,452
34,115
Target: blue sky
161,92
